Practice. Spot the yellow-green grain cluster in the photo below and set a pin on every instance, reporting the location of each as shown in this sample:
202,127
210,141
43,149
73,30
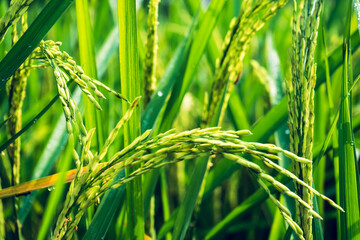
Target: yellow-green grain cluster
171,147
68,104
151,50
16,93
16,89
16,10
72,71
81,185
65,69
300,92
251,19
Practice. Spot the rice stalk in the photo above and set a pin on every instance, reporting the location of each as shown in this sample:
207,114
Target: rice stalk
167,148
81,178
251,19
300,92
216,144
50,50
74,124
193,53
151,51
66,69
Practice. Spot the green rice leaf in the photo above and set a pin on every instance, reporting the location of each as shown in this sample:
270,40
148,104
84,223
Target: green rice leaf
165,86
88,63
56,194
106,212
348,169
198,46
250,203
187,207
31,38
130,88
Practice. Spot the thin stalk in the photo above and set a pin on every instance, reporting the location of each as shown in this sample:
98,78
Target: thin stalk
165,199
130,87
333,117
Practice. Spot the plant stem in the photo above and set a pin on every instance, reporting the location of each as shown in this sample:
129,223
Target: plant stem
130,87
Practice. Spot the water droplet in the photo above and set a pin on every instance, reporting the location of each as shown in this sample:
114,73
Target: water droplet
287,131
159,93
51,188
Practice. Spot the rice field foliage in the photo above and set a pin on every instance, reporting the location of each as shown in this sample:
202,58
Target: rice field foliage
166,119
